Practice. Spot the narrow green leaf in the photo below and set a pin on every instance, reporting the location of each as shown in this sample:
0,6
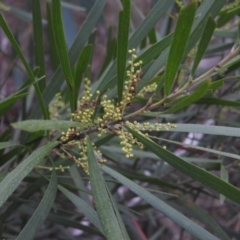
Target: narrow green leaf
25,195
8,102
41,213
218,101
167,210
226,154
104,140
21,14
79,183
207,129
39,125
191,170
158,10
224,177
107,216
118,216
15,45
169,116
152,36
86,209
238,31
74,51
82,63
216,84
210,7
60,41
216,48
11,154
62,49
7,144
38,41
186,101
155,50
27,83
143,43
53,48
150,155
203,44
62,220
179,43
143,178
122,44
204,216
14,178
160,84
111,50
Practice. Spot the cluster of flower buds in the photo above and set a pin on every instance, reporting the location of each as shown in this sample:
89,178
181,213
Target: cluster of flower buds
147,89
130,85
110,119
55,106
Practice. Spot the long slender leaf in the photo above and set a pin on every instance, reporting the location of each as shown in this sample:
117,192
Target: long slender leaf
207,129
86,209
118,216
191,170
150,155
15,45
111,50
41,212
158,10
38,125
25,195
122,44
79,183
62,50
155,50
204,149
205,39
225,177
62,220
53,48
14,178
179,43
218,101
60,42
8,102
107,216
167,210
82,63
7,144
38,41
21,14
199,213
210,7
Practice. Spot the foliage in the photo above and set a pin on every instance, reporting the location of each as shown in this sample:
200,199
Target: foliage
155,124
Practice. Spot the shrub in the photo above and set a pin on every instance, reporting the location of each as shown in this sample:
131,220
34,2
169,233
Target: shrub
150,135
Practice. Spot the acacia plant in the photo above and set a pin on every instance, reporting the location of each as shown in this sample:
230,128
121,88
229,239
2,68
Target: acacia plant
118,149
